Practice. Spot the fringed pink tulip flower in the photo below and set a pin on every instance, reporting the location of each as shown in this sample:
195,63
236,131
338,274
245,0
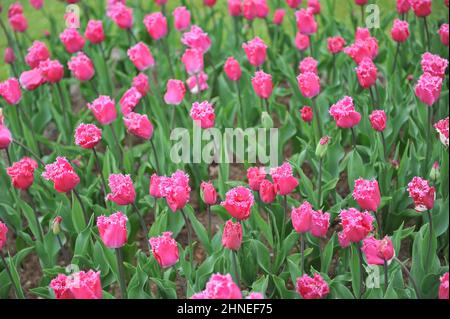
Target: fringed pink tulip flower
138,125
249,9
113,229
104,109
262,84
156,24
262,9
301,217
129,100
222,287
365,46
196,39
422,194
344,113
175,92
73,41
320,222
255,295
378,252
193,61
443,286
234,8
421,8
9,56
165,250
51,70
434,64
335,44
140,82
197,83
16,18
80,285
37,4
203,114
122,190
302,41
176,190
87,135
283,179
256,51
442,128
312,287
182,18
62,174
238,202
428,88
267,192
255,176
94,31
308,64
443,33
31,80
307,114
293,4
278,16
400,31
121,15
5,134
10,91
378,120
314,6
232,235
403,6
367,194
158,185
82,67
367,73
141,56
36,53
306,22
3,232
22,173
356,225
309,84
232,69
208,193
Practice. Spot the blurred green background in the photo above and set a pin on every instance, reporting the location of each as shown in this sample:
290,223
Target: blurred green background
39,23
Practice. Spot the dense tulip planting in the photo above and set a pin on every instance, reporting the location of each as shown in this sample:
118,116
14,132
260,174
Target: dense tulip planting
102,198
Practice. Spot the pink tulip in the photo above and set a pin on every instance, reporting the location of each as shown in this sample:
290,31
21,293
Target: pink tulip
177,190
356,225
5,134
403,6
319,223
140,82
22,173
367,194
138,125
262,84
165,250
208,193
122,189
422,194
193,61
378,120
72,40
314,6
80,285
94,31
156,25
3,232
197,83
255,295
434,64
442,128
293,3
141,56
232,235
157,185
87,135
267,192
367,73
302,41
37,4
182,18
400,31
203,114
31,80
344,113
249,9
36,53
238,202
361,2
9,56
309,84
234,8
62,174
210,3
129,100
10,91
335,44
301,217
365,46
283,179
312,287
196,39
121,15
113,229
421,8
307,114
104,109
279,16
306,23
17,21
222,287
256,51
82,67
255,176
52,71
262,9
308,64
443,33
232,69
428,88
443,287
378,252
175,92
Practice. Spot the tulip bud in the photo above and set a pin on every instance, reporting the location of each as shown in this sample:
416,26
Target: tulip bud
322,147
266,120
435,173
56,225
